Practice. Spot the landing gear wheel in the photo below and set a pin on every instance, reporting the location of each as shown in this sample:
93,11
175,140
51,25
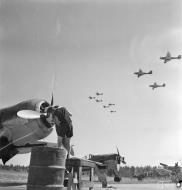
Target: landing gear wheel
178,184
117,179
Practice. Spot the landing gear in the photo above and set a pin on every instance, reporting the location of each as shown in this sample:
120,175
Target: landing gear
178,184
117,179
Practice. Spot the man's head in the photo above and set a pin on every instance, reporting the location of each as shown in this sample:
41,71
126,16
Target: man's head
62,120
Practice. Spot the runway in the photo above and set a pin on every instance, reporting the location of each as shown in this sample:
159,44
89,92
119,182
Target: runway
115,186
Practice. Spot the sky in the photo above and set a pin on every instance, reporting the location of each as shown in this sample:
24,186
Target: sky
91,46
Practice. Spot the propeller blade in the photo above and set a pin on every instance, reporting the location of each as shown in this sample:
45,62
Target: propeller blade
29,114
52,100
117,151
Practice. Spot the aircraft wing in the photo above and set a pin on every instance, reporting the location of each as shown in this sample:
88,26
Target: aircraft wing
98,164
27,147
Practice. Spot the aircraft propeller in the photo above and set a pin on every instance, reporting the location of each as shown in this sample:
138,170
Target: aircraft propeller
31,114
119,159
52,100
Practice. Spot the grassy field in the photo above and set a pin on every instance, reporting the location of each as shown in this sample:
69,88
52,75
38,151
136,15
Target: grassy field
11,177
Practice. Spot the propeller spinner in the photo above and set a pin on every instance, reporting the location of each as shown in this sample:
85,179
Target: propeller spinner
30,114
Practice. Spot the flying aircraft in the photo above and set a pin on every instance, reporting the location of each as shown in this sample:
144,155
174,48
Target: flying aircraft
105,106
97,100
91,97
99,94
112,162
112,111
155,85
23,125
110,104
140,73
168,57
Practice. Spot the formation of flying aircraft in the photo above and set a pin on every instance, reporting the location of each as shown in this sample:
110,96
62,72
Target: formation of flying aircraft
140,73
101,100
168,57
155,85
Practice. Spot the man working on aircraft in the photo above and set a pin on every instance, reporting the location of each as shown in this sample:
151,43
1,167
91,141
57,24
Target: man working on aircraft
61,118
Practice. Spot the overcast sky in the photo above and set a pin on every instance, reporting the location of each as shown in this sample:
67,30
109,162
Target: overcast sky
92,46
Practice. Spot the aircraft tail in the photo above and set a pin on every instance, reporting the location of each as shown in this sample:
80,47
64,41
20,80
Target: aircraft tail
179,56
150,72
164,85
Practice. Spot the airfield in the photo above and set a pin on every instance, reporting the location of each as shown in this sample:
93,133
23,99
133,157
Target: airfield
16,180
118,186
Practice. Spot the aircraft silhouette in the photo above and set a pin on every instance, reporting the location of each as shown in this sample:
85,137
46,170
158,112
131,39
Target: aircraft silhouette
140,73
23,125
168,57
105,106
97,100
91,97
112,111
99,94
155,85
110,104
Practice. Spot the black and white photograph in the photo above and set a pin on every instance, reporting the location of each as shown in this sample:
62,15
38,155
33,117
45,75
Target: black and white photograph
90,94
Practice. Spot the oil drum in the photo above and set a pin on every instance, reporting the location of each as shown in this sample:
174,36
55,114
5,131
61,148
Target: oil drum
47,168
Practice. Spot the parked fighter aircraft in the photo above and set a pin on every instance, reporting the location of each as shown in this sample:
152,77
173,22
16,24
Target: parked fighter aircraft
97,100
112,111
112,161
174,171
168,57
23,125
99,94
140,73
104,163
155,85
91,97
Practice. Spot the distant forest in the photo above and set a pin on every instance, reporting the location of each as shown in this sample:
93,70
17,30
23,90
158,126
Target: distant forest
127,171
138,172
14,167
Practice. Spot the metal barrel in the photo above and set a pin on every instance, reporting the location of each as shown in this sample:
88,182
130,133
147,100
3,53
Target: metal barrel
47,168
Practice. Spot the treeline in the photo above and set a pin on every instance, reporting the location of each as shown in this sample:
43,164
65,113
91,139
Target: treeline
136,171
14,167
